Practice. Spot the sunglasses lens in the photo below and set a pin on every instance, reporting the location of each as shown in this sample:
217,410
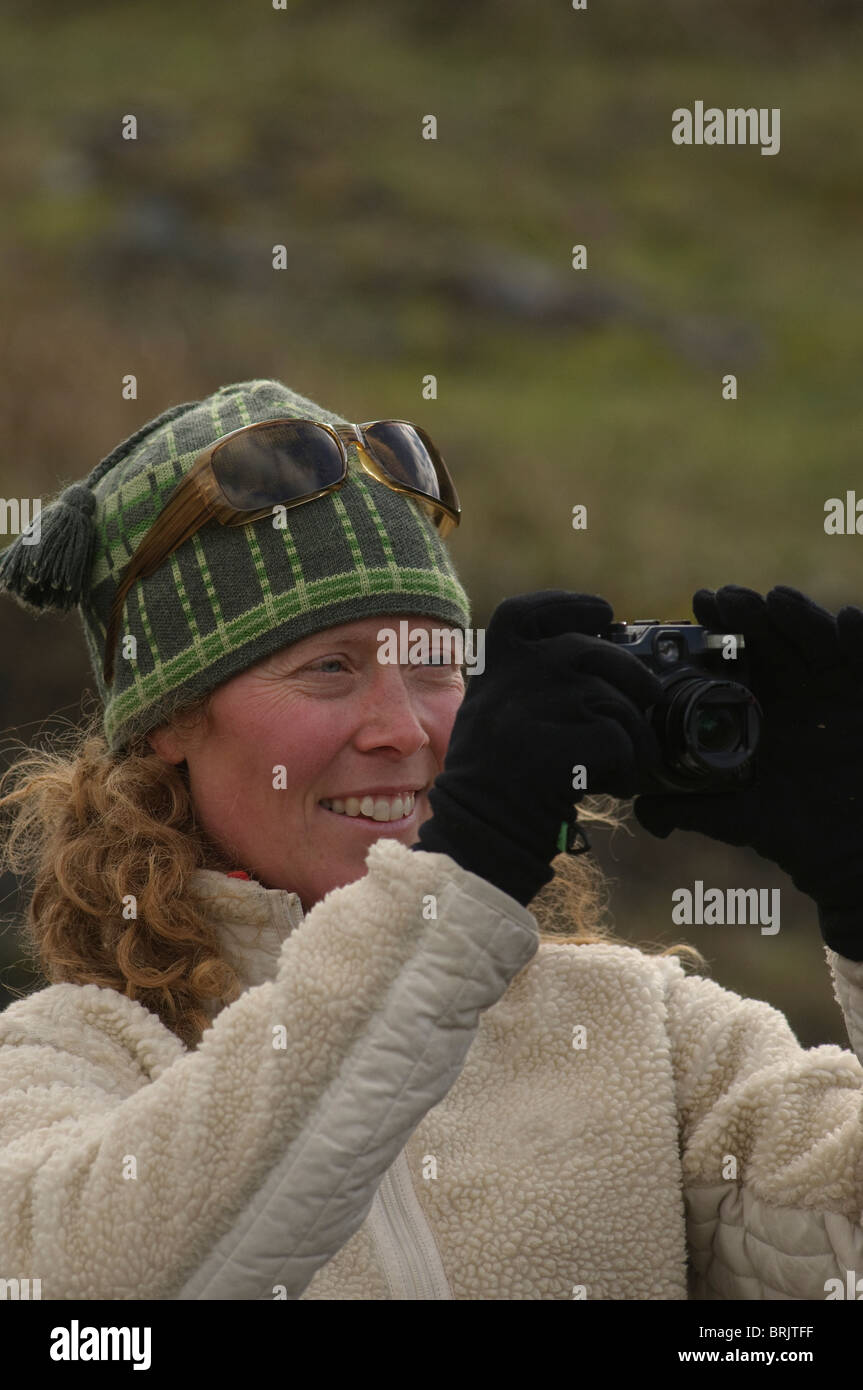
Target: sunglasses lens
276,463
409,458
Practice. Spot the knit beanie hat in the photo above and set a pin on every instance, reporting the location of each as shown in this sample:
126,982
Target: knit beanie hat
230,595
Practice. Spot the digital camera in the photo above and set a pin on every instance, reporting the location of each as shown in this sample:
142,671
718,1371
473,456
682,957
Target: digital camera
707,726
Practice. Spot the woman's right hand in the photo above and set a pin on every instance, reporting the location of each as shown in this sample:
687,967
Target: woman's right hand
553,696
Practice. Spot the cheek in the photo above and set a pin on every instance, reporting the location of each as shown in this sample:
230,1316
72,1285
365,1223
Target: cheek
302,738
441,717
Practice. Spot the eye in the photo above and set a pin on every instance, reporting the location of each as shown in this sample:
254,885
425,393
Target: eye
439,669
327,661
441,658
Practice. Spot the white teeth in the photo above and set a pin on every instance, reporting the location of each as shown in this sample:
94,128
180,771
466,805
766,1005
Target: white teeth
380,808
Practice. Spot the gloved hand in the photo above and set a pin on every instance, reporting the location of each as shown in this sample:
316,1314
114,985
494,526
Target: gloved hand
805,811
552,696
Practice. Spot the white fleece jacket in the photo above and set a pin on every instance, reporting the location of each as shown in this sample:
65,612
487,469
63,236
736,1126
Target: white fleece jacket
403,1105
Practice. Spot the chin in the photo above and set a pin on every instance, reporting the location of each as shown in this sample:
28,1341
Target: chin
342,879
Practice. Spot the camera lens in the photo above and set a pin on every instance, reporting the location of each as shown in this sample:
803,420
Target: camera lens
709,729
717,729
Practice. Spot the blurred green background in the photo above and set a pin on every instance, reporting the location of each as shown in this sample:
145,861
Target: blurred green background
409,257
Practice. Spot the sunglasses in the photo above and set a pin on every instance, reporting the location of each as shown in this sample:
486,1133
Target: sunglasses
284,463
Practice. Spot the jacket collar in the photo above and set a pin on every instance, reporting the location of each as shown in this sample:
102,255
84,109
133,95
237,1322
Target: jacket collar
252,922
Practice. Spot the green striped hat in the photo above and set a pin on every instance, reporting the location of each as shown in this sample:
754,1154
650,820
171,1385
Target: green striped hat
229,595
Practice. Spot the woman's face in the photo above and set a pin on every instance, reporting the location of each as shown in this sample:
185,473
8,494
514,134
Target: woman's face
322,720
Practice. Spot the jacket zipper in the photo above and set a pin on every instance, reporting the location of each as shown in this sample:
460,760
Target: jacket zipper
406,1247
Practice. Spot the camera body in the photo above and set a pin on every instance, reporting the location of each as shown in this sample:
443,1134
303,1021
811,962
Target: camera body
707,725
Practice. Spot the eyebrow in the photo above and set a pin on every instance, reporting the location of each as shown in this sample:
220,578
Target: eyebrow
322,640
332,634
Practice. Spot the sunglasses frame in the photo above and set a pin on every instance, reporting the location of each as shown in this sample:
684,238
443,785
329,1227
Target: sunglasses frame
197,499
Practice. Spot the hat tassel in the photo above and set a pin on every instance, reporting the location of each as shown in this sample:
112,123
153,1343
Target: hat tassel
53,571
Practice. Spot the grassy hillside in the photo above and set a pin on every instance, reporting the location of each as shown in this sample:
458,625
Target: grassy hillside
410,257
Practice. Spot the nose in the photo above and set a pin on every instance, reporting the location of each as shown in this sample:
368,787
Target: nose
389,718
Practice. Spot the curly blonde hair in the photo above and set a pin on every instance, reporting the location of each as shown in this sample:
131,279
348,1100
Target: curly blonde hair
90,827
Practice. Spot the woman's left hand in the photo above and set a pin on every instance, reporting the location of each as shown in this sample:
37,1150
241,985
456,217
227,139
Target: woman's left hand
805,808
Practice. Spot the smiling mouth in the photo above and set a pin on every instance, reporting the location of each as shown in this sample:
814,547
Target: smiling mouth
380,810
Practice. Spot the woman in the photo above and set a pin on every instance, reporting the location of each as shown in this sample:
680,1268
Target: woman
303,1039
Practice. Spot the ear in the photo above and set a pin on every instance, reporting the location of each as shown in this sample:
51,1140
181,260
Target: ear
167,744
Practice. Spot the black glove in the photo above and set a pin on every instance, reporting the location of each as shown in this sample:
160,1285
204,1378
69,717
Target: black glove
805,811
552,696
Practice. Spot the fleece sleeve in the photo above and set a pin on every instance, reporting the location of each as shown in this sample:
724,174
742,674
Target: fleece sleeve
248,1162
771,1144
